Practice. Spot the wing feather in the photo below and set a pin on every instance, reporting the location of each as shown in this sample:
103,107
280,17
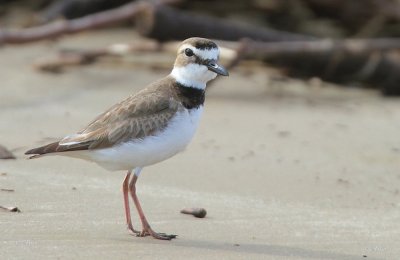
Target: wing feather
136,117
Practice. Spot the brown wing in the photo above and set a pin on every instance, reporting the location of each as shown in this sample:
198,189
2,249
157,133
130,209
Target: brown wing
138,116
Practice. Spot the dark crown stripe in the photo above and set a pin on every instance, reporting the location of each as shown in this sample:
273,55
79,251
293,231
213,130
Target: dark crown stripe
190,97
205,45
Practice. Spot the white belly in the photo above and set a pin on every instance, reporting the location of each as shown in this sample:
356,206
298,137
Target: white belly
150,150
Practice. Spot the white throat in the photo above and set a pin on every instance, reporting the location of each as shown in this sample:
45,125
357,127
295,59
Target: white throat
193,75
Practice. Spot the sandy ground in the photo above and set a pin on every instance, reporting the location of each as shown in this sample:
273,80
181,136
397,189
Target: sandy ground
285,169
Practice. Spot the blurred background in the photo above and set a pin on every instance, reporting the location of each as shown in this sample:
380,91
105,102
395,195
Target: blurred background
344,42
296,157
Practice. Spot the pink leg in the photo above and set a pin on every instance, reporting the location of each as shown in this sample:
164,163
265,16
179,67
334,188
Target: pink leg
125,190
146,227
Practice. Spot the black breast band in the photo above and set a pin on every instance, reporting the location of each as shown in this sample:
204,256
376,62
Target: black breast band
190,97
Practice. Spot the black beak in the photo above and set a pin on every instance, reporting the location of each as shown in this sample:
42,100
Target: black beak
215,67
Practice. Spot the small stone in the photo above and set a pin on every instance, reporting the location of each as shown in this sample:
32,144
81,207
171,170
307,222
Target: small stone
5,154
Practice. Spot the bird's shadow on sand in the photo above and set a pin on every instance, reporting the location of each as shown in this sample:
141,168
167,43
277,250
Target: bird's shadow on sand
262,249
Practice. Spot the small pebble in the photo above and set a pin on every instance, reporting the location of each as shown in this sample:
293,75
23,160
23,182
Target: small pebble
5,154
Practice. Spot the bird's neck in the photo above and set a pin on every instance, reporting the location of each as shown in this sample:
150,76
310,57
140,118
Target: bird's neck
193,75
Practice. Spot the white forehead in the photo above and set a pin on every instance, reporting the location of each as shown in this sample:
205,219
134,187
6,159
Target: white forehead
205,54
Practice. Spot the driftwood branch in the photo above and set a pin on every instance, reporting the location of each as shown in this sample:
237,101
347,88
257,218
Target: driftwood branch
372,61
165,23
72,26
71,9
350,47
156,21
72,57
56,29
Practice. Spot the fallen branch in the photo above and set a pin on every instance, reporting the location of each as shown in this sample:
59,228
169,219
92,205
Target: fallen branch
370,61
56,29
152,20
71,9
72,57
165,23
351,47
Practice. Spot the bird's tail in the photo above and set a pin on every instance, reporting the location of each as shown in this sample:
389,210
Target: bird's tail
42,150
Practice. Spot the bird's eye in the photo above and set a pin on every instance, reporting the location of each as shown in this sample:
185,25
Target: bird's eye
189,52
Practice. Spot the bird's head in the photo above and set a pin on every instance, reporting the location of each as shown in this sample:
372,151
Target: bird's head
196,63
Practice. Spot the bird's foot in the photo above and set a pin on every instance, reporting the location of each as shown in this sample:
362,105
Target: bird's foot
149,232
134,231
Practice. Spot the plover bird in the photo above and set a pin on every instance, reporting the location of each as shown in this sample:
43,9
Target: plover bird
148,127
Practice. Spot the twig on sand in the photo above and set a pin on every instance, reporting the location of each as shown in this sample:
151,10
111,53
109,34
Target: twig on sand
197,212
10,209
7,190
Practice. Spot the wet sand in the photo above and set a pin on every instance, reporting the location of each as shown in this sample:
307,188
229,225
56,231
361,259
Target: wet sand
286,169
